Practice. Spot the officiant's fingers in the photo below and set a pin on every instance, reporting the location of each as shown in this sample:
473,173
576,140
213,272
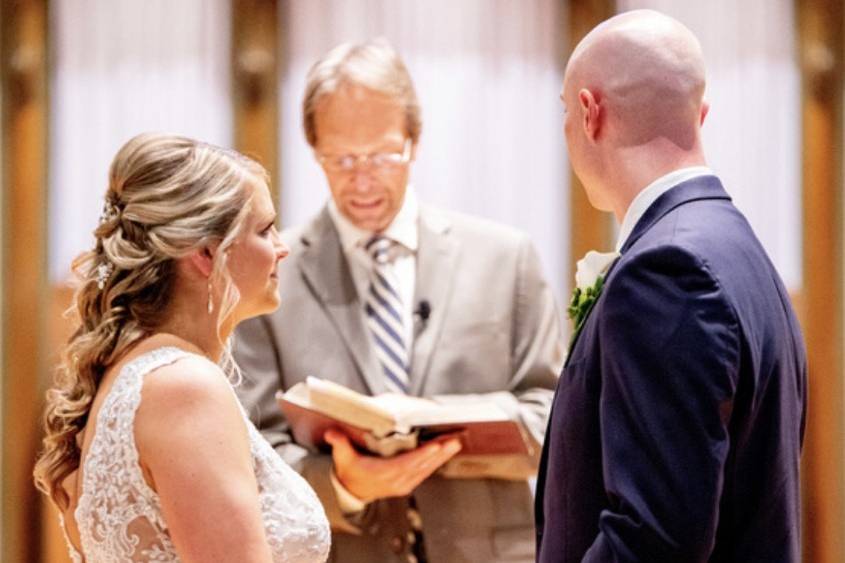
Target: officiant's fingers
426,461
443,438
437,454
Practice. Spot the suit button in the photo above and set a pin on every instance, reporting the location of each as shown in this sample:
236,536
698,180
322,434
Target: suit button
414,518
397,544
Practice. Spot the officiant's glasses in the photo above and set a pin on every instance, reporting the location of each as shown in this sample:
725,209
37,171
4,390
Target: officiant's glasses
349,162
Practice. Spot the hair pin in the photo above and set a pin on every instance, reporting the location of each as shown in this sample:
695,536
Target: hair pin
109,211
104,270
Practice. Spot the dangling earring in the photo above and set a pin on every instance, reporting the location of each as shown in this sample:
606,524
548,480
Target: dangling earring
210,300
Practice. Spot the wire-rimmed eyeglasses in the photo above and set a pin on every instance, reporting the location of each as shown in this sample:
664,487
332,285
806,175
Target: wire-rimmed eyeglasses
349,162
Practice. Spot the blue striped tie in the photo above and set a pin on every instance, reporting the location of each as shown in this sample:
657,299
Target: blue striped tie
384,316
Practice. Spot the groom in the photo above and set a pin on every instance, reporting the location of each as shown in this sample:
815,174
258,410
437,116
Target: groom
677,424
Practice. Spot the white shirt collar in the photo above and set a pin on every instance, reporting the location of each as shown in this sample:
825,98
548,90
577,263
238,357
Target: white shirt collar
649,195
403,228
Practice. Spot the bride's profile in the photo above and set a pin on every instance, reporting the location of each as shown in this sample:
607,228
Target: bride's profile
147,454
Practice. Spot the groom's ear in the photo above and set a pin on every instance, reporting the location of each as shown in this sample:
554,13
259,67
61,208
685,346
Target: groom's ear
203,260
705,108
591,113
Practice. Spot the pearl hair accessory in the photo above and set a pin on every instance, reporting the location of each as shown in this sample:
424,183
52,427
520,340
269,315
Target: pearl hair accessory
109,211
104,270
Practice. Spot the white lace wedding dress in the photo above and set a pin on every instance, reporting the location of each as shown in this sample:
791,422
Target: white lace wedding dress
119,515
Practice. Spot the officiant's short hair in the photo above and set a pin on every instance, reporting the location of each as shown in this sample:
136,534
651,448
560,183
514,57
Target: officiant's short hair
373,64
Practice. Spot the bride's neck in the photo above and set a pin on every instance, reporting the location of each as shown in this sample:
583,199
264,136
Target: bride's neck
190,320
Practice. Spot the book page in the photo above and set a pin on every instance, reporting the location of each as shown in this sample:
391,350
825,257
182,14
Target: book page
348,406
398,405
435,413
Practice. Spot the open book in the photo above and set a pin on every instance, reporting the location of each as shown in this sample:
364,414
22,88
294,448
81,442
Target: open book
493,445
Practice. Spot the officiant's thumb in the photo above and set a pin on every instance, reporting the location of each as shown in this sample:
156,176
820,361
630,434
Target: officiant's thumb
339,442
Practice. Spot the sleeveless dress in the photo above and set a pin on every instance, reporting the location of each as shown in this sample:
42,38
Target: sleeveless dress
119,516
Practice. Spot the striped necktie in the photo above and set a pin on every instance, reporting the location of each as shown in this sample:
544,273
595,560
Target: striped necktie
384,316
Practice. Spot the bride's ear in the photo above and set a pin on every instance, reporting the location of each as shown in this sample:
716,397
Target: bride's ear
203,260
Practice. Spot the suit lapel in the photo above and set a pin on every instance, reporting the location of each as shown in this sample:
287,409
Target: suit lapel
436,266
325,268
701,187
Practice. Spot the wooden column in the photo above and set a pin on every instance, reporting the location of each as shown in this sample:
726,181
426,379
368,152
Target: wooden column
2,268
589,229
24,111
821,52
255,76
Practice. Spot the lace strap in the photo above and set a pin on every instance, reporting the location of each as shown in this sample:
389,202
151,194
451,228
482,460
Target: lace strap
125,395
154,359
113,444
127,385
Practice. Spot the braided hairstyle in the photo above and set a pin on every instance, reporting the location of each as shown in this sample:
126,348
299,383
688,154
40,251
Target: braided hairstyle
168,196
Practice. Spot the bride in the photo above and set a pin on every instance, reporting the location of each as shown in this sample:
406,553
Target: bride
148,455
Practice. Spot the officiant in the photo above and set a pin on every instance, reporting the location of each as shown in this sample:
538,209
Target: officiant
383,293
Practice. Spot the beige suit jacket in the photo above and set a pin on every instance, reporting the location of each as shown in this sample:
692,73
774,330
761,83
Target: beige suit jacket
493,329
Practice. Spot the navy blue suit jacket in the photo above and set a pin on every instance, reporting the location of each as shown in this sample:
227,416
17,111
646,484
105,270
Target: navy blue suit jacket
677,423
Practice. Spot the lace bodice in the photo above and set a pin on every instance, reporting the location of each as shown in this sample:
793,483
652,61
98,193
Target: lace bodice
119,516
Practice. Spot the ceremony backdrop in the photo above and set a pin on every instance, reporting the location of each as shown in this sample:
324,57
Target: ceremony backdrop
488,78
118,69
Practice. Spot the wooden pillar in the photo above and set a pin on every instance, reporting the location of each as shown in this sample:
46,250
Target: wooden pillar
589,229
820,25
255,76
23,70
2,272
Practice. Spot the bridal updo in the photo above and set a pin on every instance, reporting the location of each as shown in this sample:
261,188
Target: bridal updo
168,196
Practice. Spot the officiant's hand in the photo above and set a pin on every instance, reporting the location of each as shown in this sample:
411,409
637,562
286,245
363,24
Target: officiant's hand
370,478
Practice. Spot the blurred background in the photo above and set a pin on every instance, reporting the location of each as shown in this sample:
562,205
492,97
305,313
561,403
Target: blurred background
79,77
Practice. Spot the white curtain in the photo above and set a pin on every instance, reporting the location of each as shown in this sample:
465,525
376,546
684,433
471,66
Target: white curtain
488,74
752,135
120,67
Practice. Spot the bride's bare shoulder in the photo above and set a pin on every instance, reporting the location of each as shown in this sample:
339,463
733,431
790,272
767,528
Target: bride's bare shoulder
189,380
189,395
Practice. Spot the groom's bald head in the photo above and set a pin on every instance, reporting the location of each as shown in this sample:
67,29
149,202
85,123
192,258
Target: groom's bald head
649,71
636,80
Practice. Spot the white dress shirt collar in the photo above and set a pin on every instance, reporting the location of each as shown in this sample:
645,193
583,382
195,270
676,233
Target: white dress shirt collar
649,195
403,228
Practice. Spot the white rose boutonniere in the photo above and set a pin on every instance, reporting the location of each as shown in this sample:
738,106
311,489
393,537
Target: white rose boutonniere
589,279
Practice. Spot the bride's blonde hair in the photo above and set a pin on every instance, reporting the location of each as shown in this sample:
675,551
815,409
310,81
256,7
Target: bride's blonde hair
168,196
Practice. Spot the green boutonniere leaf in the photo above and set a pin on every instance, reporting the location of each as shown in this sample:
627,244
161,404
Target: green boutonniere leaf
581,303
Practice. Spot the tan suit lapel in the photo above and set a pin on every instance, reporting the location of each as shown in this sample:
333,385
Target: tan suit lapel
326,270
436,266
